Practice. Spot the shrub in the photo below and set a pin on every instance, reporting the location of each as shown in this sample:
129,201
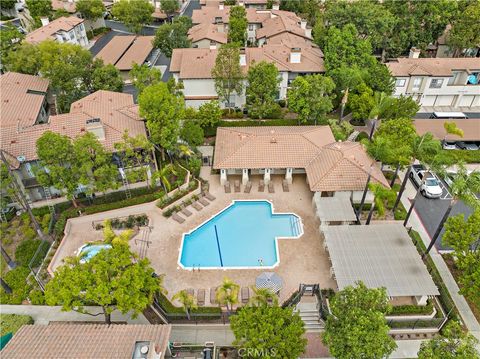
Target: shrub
455,156
29,233
340,131
361,136
10,323
167,200
192,133
282,103
36,297
412,309
17,281
169,308
27,249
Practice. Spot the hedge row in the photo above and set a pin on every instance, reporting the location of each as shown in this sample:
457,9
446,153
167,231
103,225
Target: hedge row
212,131
171,309
455,156
412,309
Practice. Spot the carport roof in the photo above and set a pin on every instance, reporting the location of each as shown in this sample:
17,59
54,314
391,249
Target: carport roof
470,127
380,255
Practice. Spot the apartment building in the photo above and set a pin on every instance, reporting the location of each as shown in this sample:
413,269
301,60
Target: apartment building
193,68
255,4
438,82
26,104
264,26
64,29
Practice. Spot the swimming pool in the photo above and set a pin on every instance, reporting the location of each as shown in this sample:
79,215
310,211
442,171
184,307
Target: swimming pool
243,235
88,251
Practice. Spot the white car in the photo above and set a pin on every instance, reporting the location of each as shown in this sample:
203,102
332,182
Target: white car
449,145
430,185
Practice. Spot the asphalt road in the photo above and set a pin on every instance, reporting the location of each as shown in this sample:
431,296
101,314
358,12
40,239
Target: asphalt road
431,212
188,11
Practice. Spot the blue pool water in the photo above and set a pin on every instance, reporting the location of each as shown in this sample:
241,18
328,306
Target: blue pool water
91,250
246,233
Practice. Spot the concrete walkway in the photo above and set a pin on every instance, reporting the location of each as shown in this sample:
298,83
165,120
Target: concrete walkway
43,314
465,312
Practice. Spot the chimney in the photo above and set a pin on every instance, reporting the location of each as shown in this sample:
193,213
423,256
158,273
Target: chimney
303,24
243,57
220,26
95,126
276,5
213,45
295,55
308,32
414,53
241,3
44,21
221,5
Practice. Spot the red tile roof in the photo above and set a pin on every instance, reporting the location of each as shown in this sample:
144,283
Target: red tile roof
48,31
84,341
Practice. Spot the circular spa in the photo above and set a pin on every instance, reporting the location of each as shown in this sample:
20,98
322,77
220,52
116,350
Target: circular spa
243,235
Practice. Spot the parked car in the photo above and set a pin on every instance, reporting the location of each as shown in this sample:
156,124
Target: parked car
449,145
427,181
467,146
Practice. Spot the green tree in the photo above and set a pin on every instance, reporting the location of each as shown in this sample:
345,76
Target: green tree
58,164
143,76
269,332
357,327
263,79
209,114
463,236
39,8
10,40
227,293
105,77
90,9
311,97
237,30
114,279
7,5
163,175
373,21
187,301
454,343
263,296
400,107
227,73
418,23
97,172
173,35
169,7
465,32
133,13
361,102
192,133
134,152
163,112
25,59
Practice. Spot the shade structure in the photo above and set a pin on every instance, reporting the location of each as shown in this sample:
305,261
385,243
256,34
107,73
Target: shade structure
269,280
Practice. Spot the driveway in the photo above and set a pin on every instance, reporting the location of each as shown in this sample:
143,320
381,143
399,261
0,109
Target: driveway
431,211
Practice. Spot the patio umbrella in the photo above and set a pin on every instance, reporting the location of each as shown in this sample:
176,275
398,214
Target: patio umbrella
269,280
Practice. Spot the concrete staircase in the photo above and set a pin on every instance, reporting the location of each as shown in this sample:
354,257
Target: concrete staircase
308,311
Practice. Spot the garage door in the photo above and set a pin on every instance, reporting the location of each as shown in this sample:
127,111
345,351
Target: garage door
444,100
428,100
466,100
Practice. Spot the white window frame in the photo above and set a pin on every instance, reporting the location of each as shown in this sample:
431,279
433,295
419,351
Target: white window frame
400,82
417,82
436,83
251,27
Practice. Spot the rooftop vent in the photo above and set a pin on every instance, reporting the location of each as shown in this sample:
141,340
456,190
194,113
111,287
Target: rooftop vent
95,126
273,140
141,350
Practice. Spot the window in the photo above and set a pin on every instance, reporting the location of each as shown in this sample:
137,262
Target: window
453,79
400,83
436,83
251,27
416,83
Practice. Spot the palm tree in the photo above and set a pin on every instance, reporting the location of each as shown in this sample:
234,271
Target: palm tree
464,187
184,151
227,293
423,147
382,101
263,296
162,175
187,301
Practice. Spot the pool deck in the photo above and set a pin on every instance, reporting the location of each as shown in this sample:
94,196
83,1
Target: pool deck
302,260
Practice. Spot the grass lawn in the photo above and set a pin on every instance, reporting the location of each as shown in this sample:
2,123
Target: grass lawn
456,274
10,323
